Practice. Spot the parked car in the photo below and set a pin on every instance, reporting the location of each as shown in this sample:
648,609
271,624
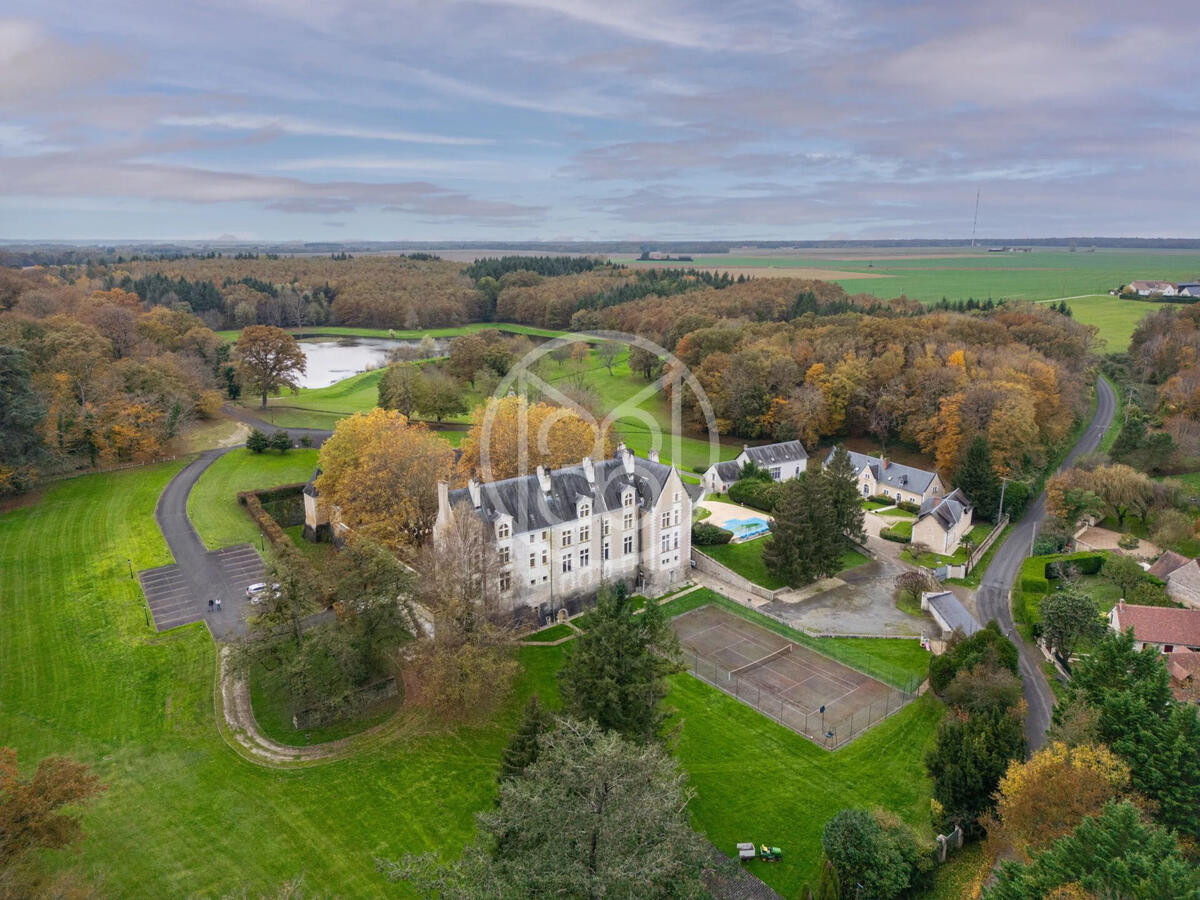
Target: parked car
256,593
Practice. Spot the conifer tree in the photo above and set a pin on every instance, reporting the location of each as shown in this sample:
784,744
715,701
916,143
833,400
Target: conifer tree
523,747
845,504
977,479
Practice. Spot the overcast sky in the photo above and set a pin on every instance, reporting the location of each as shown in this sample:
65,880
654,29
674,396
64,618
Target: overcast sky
597,119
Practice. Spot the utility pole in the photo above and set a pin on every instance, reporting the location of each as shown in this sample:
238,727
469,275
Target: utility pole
1003,485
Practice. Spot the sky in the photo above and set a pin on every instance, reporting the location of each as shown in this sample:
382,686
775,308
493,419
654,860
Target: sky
521,120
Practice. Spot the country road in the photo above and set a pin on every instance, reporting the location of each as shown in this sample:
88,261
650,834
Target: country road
993,595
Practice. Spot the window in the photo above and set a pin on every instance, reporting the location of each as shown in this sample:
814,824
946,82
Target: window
866,490
676,516
585,534
677,496
544,557
505,582
604,551
503,531
604,528
505,556
585,510
628,501
566,538
666,542
543,535
666,519
676,541
628,544
776,472
533,560
566,562
585,558
628,520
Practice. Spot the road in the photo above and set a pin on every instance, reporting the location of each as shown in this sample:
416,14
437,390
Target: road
992,598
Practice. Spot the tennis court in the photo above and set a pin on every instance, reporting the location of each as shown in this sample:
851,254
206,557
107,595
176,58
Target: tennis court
789,682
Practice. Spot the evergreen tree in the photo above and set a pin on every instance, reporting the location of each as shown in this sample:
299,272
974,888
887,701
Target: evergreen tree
977,479
20,413
615,674
523,747
968,758
845,502
804,544
257,442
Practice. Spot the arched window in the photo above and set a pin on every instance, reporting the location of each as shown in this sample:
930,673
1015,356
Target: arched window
503,531
585,510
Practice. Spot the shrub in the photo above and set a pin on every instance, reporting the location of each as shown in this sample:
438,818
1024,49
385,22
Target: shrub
1128,542
706,535
988,644
257,442
909,507
281,441
306,441
900,533
758,494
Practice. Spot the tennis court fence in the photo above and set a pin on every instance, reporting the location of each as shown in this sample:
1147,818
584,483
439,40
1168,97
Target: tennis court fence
839,723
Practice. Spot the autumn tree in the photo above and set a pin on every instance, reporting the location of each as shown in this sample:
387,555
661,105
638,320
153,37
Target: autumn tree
379,475
511,436
41,812
608,351
594,816
467,353
401,388
1041,800
268,358
440,396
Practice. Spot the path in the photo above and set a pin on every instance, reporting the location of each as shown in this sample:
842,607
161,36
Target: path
993,596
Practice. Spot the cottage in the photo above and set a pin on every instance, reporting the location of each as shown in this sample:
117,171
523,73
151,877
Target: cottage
1147,288
562,534
1163,628
905,484
943,522
783,460
1182,577
1189,289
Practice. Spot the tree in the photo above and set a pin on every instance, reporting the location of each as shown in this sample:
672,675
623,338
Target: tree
281,441
524,745
268,359
1045,798
467,353
579,352
874,850
1114,855
1069,616
401,388
1171,528
379,475
1124,491
257,441
608,351
33,811
594,816
440,396
989,646
976,478
983,687
1123,571
615,673
21,412
968,757
643,361
511,436
803,545
912,583
845,502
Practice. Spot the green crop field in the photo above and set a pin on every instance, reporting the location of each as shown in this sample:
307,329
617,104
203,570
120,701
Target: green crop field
212,505
81,674
1043,274
1115,318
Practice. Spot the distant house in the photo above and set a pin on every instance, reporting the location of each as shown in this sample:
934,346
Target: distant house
943,522
1182,576
1146,288
783,460
948,611
1189,289
880,476
1163,628
1183,665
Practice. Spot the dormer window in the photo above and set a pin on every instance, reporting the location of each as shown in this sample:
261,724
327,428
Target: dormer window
503,531
627,500
585,510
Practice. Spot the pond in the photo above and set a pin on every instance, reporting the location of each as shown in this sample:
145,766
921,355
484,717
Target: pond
333,359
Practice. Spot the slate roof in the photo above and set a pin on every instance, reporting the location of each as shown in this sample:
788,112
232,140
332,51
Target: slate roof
894,475
522,497
951,611
948,510
1159,624
771,454
728,471
1167,563
311,487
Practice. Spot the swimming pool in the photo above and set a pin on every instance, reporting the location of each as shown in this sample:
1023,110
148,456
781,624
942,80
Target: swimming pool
746,529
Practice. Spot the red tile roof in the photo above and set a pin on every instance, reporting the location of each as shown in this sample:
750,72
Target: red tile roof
1183,664
1168,563
1160,624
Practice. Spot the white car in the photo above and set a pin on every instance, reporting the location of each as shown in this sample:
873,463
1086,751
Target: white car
256,593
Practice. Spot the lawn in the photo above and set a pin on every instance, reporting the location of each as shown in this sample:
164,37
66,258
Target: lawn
213,506
403,335
1115,318
553,633
746,559
897,513
932,560
184,815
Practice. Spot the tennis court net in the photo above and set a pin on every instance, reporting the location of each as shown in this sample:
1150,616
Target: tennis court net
761,661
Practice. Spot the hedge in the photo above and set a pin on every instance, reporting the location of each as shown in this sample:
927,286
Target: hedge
705,534
758,494
1036,571
281,543
900,533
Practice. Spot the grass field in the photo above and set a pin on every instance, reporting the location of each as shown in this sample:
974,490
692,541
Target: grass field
403,335
746,559
1115,318
184,815
212,505
1043,274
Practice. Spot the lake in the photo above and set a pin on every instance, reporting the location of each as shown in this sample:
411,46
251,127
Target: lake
330,361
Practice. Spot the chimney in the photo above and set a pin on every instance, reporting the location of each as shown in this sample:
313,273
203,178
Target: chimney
745,447
473,488
628,459
620,449
443,495
589,470
652,455
883,463
543,479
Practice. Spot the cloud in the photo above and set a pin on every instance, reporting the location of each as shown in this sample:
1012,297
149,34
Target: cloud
35,66
309,127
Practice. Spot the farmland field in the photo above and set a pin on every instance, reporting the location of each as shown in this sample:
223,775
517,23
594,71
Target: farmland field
1043,274
1115,318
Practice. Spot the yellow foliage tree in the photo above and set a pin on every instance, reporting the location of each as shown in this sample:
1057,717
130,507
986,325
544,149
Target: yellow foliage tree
379,476
512,436
1043,799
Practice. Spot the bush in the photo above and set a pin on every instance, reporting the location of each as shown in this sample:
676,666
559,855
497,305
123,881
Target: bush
1128,542
281,441
706,535
758,494
988,644
900,533
306,441
909,507
257,442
